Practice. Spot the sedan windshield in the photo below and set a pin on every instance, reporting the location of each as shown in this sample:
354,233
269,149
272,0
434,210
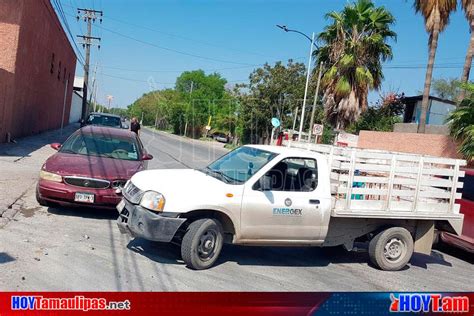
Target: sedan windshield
239,165
102,146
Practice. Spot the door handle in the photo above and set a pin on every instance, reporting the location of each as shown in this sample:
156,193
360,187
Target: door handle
314,202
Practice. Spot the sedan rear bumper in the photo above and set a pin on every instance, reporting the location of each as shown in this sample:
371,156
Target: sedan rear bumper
140,222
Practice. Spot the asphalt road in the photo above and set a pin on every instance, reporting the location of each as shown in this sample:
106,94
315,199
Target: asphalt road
82,250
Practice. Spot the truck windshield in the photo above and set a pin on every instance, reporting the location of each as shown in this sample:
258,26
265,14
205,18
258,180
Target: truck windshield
239,165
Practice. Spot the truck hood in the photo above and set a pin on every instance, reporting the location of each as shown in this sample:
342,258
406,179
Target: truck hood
188,189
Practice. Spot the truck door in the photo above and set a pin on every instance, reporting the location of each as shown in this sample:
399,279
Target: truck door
284,204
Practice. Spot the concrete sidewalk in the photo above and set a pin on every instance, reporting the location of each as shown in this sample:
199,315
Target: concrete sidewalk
20,164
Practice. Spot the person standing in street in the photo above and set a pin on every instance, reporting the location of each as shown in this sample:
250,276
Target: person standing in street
135,126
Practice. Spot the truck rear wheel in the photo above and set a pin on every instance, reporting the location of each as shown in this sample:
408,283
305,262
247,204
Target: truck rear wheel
391,249
202,243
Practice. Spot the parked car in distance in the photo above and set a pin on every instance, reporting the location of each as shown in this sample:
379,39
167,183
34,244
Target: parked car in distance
105,119
466,240
220,137
91,167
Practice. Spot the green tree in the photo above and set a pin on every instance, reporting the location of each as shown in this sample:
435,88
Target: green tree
436,14
273,91
201,93
353,45
382,116
461,124
468,7
446,88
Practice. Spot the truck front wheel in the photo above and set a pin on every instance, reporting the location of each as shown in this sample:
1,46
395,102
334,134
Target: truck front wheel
391,249
202,243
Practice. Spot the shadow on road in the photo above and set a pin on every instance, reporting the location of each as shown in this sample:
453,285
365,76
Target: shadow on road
159,252
274,256
5,257
26,145
455,252
84,212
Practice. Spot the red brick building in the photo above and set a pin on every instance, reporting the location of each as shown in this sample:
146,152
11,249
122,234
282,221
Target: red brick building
36,61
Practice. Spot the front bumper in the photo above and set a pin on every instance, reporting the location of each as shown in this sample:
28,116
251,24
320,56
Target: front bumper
140,222
63,194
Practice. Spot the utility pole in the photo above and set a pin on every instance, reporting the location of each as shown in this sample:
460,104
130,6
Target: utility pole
186,123
88,16
93,87
315,102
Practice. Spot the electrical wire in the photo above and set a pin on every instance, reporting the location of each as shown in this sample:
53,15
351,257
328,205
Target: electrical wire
173,50
63,18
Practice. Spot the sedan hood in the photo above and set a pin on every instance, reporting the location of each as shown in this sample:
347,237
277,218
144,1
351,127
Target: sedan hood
92,166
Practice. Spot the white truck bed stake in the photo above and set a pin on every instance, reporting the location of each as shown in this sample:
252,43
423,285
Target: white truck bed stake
298,195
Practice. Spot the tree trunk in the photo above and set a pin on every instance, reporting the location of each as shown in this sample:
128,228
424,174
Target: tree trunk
433,45
468,61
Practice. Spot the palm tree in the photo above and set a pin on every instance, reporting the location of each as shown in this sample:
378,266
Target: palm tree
353,45
461,124
436,14
468,7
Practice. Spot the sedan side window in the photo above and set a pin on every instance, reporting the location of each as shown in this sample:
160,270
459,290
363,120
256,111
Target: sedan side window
292,174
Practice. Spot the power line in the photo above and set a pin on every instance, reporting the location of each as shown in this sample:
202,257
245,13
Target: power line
163,83
186,38
174,50
62,17
183,70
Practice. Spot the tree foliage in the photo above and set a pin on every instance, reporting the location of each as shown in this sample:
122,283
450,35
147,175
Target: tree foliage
461,124
273,91
354,45
382,116
447,88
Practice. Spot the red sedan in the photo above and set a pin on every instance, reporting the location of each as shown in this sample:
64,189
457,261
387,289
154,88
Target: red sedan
90,168
466,240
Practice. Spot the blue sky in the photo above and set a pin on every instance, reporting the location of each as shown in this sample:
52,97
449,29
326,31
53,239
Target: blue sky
231,36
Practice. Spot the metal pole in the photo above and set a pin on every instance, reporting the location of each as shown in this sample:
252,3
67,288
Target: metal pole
86,69
64,106
315,102
306,88
294,120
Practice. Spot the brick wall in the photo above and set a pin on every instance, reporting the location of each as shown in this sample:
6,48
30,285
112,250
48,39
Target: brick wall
425,144
31,97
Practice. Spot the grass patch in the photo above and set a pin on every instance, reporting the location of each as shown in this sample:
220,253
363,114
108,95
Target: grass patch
230,146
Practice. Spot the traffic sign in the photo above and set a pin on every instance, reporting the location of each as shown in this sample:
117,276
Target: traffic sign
275,122
318,129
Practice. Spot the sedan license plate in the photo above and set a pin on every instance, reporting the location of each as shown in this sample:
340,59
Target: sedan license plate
84,197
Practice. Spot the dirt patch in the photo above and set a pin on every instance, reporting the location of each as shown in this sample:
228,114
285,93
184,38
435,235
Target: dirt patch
29,212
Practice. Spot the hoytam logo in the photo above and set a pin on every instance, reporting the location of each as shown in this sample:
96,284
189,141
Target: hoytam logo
66,303
287,211
436,303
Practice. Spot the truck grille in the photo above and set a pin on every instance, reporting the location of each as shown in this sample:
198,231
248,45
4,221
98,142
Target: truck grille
132,193
87,182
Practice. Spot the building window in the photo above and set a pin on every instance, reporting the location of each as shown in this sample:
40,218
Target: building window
52,64
59,71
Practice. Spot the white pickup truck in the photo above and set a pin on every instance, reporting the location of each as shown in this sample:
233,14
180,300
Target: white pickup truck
314,195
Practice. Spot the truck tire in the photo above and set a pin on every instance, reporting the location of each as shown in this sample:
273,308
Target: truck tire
391,249
202,243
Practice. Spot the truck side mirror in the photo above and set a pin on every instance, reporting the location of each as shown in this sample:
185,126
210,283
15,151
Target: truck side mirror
265,183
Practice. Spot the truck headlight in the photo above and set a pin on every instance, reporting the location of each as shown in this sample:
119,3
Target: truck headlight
45,175
153,201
